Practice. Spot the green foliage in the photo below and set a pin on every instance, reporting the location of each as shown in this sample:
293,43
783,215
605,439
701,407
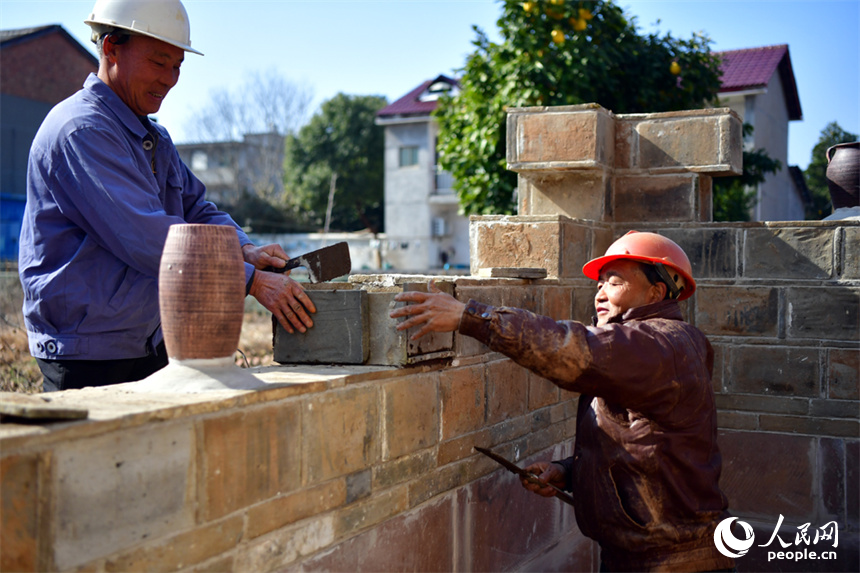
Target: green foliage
734,197
553,53
816,171
341,139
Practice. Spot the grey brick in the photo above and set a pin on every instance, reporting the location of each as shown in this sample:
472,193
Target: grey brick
789,253
831,312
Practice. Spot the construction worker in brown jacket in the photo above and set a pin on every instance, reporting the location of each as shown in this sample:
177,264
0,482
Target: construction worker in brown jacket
646,465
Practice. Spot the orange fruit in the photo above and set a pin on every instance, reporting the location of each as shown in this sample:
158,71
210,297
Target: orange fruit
558,36
675,68
585,14
528,6
579,24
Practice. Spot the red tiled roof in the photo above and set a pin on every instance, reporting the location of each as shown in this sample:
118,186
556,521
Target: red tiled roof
752,68
410,104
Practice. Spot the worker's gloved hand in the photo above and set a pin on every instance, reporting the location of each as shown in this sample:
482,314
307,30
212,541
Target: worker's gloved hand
547,473
265,256
285,299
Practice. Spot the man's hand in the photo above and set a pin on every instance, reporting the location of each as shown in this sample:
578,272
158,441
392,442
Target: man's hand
436,310
547,473
266,256
285,298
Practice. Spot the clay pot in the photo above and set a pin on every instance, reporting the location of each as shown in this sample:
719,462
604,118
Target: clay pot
843,174
201,291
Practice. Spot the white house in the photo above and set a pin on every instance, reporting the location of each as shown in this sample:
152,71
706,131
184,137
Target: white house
424,229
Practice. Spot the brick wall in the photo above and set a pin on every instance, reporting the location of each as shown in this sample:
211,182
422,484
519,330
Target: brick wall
48,68
369,468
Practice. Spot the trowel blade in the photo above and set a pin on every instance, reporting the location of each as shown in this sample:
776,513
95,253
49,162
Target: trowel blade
323,264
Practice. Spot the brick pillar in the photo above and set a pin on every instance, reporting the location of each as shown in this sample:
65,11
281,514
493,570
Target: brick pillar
585,163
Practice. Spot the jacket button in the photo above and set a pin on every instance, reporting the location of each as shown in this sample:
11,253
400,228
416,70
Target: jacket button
51,347
40,347
470,310
485,315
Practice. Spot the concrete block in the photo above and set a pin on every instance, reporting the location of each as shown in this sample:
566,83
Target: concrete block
754,403
788,253
843,374
577,194
340,334
432,523
656,198
463,398
791,475
136,498
340,430
269,466
188,548
809,426
563,137
19,513
284,510
831,312
742,310
774,371
410,415
705,141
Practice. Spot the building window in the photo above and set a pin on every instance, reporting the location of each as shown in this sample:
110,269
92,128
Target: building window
409,156
199,161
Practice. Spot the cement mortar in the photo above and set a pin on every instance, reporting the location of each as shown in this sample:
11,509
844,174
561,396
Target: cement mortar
198,375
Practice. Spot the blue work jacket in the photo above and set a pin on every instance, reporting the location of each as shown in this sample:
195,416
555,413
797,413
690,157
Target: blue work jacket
103,188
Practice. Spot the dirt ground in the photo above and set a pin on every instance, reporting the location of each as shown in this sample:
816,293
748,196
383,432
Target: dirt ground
20,373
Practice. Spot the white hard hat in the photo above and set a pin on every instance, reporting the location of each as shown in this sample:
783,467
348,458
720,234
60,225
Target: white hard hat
164,20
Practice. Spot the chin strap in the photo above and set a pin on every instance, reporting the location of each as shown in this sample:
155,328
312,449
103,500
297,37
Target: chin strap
674,291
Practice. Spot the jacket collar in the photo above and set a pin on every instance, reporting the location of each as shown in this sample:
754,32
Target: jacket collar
113,102
668,309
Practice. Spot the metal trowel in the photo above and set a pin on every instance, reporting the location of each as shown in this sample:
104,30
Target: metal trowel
323,264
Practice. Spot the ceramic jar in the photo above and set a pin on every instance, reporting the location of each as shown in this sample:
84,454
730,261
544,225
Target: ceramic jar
843,174
201,291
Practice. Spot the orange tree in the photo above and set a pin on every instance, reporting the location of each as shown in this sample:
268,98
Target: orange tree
560,52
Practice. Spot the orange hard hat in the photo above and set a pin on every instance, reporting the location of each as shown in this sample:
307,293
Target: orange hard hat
653,249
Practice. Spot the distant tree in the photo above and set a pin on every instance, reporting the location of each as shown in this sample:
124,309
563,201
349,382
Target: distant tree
560,52
341,140
816,171
734,197
264,103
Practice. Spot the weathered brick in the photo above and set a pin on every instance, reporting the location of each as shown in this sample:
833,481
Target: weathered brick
19,513
432,524
438,481
789,460
655,198
341,429
828,313
851,253
371,511
712,252
463,446
181,551
843,374
570,134
578,194
542,392
463,398
281,511
509,243
136,498
852,482
831,458
774,370
746,311
278,550
737,420
358,485
410,414
753,403
834,408
812,426
403,469
546,437
265,440
557,302
788,253
510,429
583,303
507,390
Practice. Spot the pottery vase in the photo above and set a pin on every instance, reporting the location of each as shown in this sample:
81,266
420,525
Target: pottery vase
843,174
201,291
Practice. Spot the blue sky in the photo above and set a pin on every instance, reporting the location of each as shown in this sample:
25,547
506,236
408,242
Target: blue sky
387,47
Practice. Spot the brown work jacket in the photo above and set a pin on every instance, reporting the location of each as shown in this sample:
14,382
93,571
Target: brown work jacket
646,465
